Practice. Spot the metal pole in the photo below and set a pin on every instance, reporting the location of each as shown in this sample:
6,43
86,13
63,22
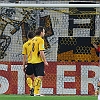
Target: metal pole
50,5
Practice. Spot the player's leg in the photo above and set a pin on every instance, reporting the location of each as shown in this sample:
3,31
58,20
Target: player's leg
29,78
29,81
37,85
39,69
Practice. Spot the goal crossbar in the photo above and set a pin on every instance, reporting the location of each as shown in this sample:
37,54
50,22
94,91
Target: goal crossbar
49,5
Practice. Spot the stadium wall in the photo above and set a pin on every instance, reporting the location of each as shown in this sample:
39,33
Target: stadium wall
60,78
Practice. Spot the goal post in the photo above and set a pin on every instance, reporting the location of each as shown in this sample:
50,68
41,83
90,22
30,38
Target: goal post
49,5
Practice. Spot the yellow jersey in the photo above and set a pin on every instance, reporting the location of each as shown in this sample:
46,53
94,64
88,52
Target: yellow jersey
27,50
37,46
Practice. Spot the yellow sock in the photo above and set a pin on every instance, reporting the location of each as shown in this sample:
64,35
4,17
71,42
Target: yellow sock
33,84
37,85
29,82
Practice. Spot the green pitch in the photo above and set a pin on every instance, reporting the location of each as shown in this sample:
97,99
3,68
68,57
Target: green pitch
27,97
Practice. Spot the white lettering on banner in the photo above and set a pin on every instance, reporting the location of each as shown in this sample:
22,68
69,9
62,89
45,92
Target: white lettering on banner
84,77
46,91
4,84
61,79
21,78
81,32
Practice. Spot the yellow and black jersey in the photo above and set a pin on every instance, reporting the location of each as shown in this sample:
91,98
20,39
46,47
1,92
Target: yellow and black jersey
27,50
37,46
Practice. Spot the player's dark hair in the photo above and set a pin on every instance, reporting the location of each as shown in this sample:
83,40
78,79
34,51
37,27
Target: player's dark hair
30,35
39,30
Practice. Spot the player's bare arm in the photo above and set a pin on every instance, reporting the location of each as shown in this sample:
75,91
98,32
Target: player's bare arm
95,45
24,62
43,57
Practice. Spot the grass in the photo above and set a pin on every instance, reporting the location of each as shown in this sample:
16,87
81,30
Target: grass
27,97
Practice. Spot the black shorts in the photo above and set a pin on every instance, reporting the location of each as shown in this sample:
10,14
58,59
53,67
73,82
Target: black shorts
36,69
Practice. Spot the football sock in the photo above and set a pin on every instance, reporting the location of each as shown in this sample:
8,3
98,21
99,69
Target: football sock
29,82
37,85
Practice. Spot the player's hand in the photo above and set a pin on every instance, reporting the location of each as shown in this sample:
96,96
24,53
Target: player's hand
95,45
24,69
99,65
46,63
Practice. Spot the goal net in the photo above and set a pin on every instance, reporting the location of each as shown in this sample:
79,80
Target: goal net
71,33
